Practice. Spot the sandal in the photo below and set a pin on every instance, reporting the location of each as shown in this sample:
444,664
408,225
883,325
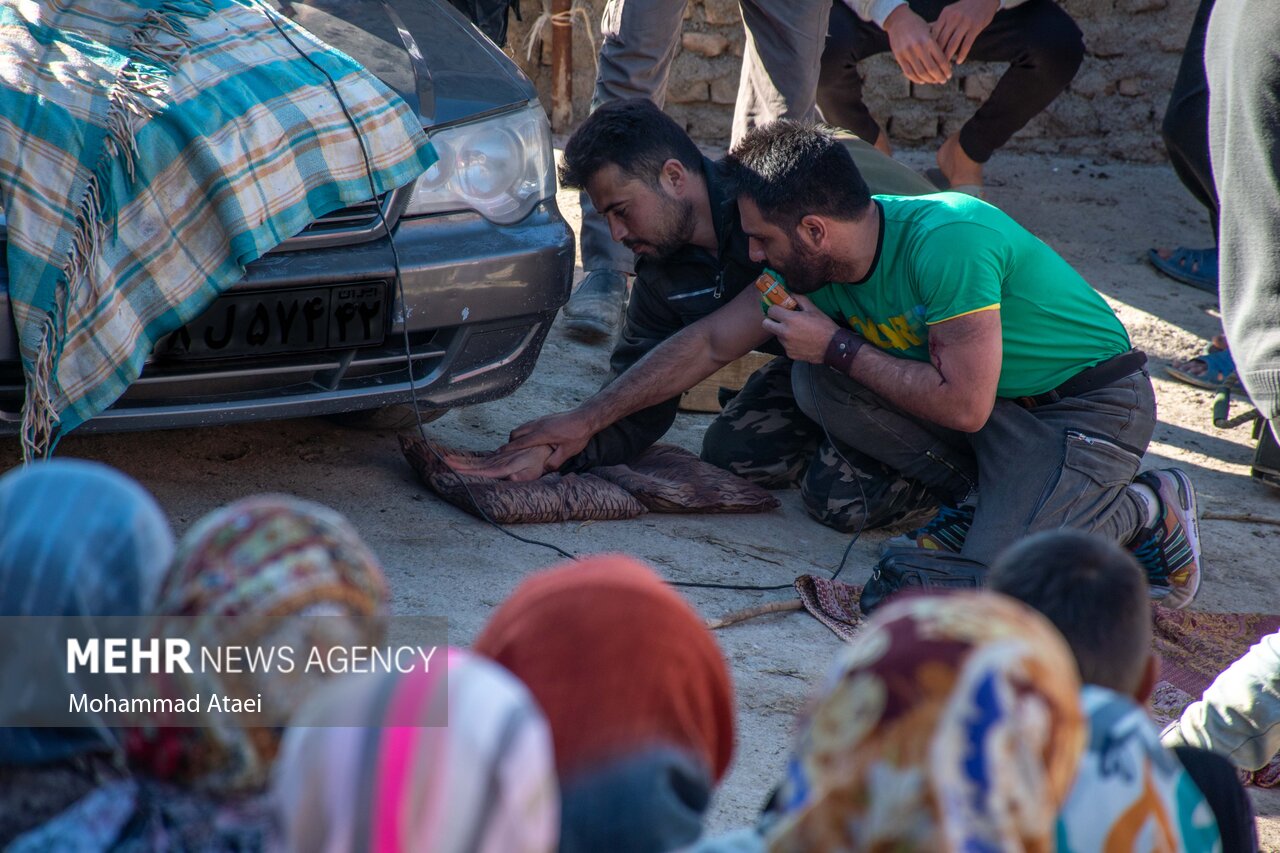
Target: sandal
1220,370
1196,267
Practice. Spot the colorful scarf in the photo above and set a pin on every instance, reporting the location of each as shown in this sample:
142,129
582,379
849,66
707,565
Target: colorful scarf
483,784
265,571
149,150
77,539
1131,794
950,723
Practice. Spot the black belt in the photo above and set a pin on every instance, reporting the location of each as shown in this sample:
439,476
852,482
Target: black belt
1100,375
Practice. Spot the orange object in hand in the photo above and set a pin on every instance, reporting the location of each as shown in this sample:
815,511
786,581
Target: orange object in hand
771,290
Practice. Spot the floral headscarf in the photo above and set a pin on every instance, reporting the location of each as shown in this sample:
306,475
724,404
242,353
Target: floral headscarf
268,571
951,723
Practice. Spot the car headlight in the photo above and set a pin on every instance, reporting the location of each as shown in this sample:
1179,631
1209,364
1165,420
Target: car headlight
499,167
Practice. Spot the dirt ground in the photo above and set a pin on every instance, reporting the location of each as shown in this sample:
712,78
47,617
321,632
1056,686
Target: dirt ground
1101,216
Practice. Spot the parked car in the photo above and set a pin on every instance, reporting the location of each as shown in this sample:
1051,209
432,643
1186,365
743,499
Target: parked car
316,326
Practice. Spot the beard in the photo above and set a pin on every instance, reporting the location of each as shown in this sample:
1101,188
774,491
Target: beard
806,270
674,231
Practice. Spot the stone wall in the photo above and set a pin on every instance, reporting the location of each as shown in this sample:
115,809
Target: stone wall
1111,110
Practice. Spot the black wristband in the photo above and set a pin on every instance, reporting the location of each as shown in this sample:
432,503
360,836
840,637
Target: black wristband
843,347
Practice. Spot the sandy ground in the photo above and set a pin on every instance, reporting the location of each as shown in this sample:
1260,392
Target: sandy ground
1101,216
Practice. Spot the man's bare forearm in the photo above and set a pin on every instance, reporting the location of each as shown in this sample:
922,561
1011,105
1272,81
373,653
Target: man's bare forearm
919,388
672,367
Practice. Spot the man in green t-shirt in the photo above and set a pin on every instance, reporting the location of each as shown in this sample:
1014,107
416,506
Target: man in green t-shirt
938,336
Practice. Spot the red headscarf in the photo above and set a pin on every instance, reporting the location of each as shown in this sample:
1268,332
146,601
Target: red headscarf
618,661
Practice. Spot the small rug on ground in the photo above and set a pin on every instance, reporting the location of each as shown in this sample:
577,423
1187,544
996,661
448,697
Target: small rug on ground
662,479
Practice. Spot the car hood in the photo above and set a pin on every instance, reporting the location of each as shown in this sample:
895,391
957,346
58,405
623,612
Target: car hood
423,49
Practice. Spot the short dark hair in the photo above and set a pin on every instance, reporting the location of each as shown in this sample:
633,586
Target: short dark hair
632,134
791,170
1094,592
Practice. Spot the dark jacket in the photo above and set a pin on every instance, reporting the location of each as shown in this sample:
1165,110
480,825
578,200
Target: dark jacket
667,295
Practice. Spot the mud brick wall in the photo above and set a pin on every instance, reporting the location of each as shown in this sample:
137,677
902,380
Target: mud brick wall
1112,109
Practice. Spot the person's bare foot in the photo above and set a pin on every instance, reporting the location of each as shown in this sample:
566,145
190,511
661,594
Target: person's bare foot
1196,366
957,166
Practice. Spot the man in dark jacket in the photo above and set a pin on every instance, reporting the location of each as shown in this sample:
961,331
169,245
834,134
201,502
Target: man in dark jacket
672,207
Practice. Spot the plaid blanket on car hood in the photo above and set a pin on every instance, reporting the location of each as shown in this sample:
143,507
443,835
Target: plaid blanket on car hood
150,150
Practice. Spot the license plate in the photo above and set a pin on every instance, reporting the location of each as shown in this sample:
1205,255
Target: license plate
274,321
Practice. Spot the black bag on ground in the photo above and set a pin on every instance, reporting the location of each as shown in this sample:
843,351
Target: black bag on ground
920,569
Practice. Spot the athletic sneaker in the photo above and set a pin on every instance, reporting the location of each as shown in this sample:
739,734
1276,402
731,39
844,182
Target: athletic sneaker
1170,549
946,532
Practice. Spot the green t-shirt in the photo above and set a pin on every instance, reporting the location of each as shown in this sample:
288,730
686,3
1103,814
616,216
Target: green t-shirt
946,255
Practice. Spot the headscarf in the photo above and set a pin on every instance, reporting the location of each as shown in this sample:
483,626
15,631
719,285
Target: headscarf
77,539
618,661
951,723
266,571
1131,794
637,694
483,784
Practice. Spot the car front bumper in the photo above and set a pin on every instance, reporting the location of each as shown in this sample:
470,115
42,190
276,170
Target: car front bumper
478,302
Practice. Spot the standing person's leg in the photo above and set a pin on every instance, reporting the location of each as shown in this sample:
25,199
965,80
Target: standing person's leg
1044,48
849,41
780,62
640,42
1186,137
1244,141
1186,120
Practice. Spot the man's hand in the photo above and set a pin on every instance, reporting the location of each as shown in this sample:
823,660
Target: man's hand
960,24
804,333
566,434
915,47
516,465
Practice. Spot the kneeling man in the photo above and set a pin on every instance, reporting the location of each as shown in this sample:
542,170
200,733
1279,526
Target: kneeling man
938,336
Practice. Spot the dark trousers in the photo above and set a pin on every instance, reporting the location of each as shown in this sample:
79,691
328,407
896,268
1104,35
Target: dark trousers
1041,43
1065,464
1186,119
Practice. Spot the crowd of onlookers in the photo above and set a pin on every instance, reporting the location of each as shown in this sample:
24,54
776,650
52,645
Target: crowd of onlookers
595,711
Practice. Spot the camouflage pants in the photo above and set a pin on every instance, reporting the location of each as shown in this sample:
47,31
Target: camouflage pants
763,436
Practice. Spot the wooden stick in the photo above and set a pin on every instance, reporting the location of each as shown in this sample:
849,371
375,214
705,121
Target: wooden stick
752,612
1245,517
561,66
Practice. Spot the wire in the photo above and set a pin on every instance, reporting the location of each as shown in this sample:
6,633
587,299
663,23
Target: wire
413,389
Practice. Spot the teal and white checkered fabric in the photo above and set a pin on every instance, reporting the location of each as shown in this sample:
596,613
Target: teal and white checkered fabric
150,150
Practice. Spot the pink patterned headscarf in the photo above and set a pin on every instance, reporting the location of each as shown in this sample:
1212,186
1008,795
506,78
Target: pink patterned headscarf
485,782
